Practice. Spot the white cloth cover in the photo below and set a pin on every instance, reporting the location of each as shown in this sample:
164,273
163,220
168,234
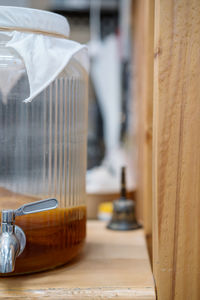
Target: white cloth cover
44,55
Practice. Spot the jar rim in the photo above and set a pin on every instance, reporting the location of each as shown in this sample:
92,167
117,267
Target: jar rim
33,21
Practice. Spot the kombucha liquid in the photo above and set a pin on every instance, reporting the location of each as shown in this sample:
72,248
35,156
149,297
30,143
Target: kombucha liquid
52,237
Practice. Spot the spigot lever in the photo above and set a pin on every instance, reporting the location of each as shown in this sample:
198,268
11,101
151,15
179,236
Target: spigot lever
35,207
12,238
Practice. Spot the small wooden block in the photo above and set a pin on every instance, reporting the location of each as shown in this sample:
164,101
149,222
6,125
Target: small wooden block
112,265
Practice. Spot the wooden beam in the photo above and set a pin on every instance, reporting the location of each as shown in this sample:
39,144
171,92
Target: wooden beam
143,40
176,150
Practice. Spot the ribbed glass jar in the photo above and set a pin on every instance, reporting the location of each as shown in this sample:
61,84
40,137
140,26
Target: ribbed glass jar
42,155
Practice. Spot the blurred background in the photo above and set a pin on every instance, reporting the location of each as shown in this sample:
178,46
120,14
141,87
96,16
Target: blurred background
105,27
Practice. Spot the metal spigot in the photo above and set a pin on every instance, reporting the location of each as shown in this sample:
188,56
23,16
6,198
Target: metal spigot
12,237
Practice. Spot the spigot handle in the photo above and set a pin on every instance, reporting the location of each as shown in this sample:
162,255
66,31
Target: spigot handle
37,206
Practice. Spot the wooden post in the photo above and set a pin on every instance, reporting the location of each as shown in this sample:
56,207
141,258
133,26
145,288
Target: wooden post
143,39
176,150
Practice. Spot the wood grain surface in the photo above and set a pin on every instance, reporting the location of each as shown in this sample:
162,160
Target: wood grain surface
112,265
176,150
143,45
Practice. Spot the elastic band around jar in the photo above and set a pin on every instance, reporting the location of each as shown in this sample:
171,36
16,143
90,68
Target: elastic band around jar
26,30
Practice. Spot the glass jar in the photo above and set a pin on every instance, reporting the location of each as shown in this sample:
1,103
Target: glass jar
43,155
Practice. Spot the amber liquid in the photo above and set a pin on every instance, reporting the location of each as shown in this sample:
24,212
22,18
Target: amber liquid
52,237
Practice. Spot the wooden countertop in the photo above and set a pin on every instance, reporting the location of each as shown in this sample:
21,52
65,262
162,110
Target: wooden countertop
112,265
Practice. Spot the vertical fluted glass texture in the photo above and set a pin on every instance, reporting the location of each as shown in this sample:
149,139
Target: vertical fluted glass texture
43,143
42,155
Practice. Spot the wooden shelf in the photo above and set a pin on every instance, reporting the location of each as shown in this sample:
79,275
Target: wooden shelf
112,265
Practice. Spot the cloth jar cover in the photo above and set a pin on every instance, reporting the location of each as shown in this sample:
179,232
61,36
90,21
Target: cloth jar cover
41,39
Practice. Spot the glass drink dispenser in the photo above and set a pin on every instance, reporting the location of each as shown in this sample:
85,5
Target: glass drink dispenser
43,132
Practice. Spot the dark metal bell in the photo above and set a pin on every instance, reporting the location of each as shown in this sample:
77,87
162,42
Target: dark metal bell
123,217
